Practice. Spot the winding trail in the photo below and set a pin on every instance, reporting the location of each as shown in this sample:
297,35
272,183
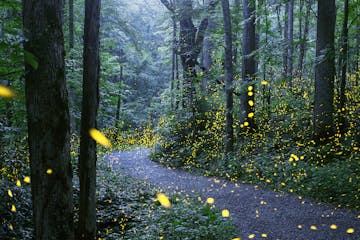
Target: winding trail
254,210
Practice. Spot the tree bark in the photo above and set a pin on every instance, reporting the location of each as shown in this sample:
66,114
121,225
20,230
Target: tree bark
323,127
191,42
303,44
48,120
71,24
90,104
229,131
343,66
118,107
173,63
208,47
285,42
290,39
236,25
248,63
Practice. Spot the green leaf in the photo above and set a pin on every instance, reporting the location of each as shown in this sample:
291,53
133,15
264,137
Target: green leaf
31,59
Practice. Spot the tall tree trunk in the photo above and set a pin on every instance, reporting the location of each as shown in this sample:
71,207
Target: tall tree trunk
173,62
48,120
290,39
357,54
229,131
71,69
323,127
236,26
90,104
285,42
71,24
190,47
208,47
268,56
178,82
343,66
248,64
191,43
303,39
118,107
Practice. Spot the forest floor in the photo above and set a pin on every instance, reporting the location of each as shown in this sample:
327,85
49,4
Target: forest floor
254,210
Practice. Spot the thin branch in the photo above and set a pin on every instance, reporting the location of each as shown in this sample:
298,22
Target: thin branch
168,5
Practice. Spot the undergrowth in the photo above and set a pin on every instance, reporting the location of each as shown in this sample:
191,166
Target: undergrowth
126,207
280,154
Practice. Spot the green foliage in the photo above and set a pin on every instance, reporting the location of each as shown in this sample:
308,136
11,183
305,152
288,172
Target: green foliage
279,154
189,141
179,222
15,223
15,198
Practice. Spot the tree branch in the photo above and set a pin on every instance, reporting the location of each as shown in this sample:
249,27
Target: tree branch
200,34
168,5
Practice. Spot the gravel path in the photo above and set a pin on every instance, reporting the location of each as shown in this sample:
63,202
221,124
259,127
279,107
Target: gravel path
254,210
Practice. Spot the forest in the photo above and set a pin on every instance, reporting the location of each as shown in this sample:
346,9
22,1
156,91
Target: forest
180,119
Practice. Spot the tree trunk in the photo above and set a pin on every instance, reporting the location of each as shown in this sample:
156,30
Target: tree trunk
229,131
172,83
290,39
343,66
357,54
248,64
48,120
323,127
208,47
191,43
236,26
90,103
303,44
285,42
189,51
178,83
118,107
71,24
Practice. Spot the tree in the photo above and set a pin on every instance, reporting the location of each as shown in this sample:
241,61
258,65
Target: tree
343,65
285,42
248,64
71,24
90,103
290,39
48,120
229,138
118,107
208,47
303,38
323,122
191,41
